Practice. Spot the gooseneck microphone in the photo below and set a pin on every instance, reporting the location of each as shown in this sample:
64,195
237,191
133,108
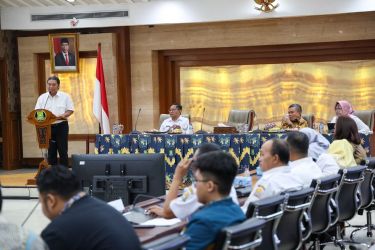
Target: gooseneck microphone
45,104
135,124
201,131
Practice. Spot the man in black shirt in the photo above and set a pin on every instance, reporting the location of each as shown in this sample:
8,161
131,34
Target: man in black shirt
79,221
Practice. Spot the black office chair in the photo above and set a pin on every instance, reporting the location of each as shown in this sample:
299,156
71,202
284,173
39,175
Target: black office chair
367,200
269,209
347,201
246,235
289,229
320,210
170,242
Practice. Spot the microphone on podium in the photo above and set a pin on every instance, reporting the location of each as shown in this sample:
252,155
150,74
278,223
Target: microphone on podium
135,131
202,131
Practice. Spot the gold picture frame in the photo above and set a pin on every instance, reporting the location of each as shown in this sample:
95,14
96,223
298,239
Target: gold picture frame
64,53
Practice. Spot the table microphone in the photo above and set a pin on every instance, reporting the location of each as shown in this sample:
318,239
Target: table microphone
202,131
135,124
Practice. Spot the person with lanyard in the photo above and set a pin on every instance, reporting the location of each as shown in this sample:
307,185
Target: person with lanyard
61,105
79,221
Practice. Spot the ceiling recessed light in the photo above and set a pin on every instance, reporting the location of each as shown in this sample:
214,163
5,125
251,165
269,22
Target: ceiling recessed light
70,1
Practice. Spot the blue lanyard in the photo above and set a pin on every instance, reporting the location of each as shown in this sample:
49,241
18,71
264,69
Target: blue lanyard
71,201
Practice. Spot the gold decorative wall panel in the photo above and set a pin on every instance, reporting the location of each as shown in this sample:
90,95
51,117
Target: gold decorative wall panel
270,88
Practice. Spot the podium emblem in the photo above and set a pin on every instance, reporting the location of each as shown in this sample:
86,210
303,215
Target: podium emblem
40,115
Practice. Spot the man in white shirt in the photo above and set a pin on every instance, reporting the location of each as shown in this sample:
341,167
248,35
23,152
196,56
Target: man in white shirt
61,105
175,121
277,176
301,164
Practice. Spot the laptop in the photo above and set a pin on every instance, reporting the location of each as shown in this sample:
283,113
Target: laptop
138,215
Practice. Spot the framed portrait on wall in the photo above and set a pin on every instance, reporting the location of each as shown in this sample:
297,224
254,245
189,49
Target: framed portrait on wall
64,53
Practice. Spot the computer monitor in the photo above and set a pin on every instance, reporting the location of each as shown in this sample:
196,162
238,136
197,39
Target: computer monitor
110,177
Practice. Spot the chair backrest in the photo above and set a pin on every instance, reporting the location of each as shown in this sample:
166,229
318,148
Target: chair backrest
310,118
367,116
366,187
289,229
269,209
242,116
246,235
166,116
171,242
320,215
347,200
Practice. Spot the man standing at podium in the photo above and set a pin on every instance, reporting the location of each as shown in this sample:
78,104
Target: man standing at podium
61,105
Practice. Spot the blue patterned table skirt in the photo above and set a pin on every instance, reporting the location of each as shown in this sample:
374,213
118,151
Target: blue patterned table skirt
243,147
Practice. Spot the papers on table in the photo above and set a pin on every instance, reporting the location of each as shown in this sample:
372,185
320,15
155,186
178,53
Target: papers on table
161,222
117,204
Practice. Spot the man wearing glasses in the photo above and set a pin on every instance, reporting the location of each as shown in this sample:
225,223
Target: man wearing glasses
183,206
175,121
214,174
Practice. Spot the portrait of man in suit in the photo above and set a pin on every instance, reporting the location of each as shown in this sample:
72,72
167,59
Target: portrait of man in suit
64,53
65,57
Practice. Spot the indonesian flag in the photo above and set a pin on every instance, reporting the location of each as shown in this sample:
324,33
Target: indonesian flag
100,104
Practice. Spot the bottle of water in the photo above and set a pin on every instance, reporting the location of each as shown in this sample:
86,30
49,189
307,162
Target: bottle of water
321,128
190,129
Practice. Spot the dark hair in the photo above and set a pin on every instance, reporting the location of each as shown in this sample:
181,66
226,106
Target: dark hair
297,107
298,143
64,40
1,199
346,128
220,167
178,106
280,147
59,180
54,78
208,147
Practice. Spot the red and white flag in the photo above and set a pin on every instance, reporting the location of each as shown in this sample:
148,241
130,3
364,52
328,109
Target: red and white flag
100,104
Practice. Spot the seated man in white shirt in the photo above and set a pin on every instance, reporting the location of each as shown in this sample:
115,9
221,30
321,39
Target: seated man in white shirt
277,176
183,206
175,121
301,164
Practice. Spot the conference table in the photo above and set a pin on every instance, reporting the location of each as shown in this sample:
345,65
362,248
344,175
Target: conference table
244,147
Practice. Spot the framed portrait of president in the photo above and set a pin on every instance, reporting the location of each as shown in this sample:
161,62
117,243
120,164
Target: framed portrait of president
64,53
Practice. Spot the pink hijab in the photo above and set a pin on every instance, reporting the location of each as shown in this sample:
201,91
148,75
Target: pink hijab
347,108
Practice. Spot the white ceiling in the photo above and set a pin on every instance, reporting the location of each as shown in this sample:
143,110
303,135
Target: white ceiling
16,14
52,3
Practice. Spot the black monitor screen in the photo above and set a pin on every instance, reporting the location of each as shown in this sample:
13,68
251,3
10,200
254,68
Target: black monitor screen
110,177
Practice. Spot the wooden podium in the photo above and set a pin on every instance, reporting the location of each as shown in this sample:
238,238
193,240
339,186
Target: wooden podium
42,119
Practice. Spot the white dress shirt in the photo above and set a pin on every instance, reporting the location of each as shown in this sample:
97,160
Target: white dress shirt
306,169
57,104
362,127
274,181
188,203
181,121
327,164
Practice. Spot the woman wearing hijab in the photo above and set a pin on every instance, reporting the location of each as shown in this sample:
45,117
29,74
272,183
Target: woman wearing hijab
345,108
347,148
318,146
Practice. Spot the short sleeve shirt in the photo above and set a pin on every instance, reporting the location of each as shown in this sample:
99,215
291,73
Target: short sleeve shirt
58,104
